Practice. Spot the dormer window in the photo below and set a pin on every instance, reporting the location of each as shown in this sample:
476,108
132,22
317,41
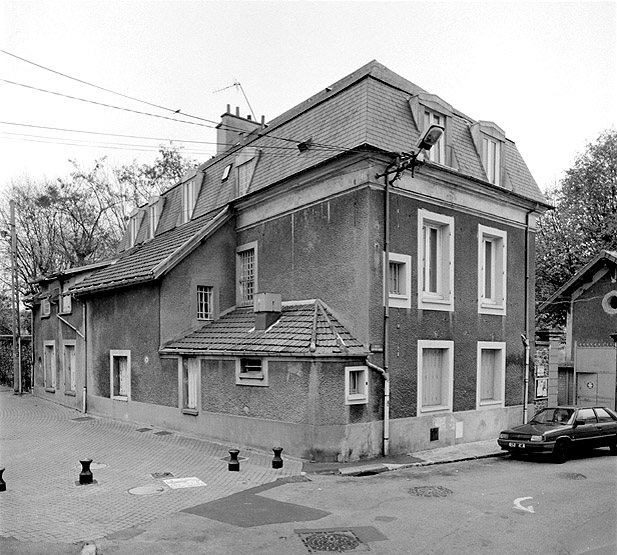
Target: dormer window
429,109
489,139
438,152
189,197
154,214
133,228
226,172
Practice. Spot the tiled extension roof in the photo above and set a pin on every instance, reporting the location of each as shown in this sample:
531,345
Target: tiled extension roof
305,328
149,260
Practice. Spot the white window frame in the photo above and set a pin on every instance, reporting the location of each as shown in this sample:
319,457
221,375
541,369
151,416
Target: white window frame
402,299
226,172
207,291
356,385
499,385
189,384
154,215
70,373
443,298
491,157
243,298
189,193
133,229
245,173
254,378
49,365
447,392
45,308
495,301
437,153
116,353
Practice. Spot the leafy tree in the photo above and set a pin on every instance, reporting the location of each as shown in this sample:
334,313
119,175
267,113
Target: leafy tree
583,222
79,219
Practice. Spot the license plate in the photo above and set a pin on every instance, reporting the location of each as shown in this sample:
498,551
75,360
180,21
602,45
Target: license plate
517,445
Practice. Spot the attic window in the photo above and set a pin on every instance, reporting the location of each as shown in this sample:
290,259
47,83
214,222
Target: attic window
489,139
226,172
438,152
133,228
190,190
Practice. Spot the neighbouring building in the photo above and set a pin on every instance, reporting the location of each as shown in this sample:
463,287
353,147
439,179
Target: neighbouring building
323,284
585,373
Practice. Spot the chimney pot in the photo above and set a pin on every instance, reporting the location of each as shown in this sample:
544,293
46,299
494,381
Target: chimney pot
267,308
238,111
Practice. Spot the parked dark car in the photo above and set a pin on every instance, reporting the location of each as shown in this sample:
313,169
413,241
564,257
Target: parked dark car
560,430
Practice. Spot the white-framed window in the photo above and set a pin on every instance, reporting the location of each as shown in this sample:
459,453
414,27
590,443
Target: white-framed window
252,371
45,308
49,364
435,376
356,385
66,303
205,302
492,269
435,261
154,215
133,228
246,272
120,374
190,190
438,152
69,362
491,374
398,280
190,384
226,172
491,157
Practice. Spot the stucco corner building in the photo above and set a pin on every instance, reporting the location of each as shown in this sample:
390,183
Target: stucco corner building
315,285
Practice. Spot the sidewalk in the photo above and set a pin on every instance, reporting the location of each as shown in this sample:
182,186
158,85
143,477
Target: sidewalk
142,474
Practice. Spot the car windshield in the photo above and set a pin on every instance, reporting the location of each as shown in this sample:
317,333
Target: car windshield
553,416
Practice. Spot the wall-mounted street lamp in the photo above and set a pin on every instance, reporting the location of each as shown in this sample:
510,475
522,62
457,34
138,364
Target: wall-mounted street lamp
405,160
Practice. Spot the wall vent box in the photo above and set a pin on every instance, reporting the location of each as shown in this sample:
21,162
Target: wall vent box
267,302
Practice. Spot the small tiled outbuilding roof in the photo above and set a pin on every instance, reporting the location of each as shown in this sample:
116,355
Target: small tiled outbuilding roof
304,328
604,258
148,261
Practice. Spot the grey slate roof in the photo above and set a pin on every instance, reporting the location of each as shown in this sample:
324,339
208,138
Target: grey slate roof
305,328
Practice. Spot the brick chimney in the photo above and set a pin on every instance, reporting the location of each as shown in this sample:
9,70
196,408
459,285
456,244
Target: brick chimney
267,308
232,127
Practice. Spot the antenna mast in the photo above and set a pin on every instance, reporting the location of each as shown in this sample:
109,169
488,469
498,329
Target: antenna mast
238,85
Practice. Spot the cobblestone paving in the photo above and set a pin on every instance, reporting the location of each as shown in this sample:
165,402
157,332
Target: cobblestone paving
41,445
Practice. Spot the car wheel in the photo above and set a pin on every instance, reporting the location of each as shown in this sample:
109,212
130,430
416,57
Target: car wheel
561,452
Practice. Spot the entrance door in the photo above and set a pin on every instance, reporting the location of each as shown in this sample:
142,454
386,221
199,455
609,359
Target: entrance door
587,389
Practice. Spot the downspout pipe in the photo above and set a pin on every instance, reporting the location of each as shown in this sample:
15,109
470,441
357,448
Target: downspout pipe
84,400
525,336
386,407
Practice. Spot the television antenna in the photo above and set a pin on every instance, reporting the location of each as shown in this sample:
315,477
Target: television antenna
238,86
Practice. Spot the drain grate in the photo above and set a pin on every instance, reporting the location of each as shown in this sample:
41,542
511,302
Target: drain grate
571,476
144,429
162,433
430,491
338,542
82,419
159,475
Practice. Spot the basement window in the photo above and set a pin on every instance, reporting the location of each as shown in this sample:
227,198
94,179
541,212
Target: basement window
252,371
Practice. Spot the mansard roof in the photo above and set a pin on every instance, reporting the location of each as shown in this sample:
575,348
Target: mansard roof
304,328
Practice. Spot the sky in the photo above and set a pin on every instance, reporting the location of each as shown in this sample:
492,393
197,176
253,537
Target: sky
545,72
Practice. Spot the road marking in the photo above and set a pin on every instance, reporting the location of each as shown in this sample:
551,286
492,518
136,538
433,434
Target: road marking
517,505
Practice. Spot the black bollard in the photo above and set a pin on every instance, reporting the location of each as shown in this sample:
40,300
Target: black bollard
234,463
85,476
2,482
277,461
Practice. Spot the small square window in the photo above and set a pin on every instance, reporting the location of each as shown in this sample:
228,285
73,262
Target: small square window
251,371
398,280
356,385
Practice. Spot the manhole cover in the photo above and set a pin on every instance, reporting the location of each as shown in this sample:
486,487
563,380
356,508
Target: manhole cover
144,429
159,475
146,490
330,541
571,475
430,491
